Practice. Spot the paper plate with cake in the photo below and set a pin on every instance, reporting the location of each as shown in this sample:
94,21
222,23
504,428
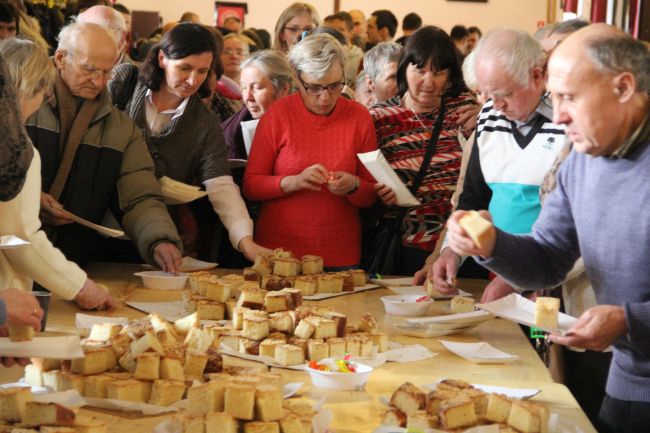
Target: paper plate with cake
542,314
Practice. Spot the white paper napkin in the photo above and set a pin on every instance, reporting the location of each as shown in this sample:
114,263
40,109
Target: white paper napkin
170,311
414,352
479,353
321,296
114,404
70,398
86,321
66,347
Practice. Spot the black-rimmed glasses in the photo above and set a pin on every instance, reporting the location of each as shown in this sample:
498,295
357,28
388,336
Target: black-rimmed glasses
316,90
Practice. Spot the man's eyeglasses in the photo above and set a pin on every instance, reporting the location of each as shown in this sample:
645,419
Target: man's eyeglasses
94,73
316,90
296,29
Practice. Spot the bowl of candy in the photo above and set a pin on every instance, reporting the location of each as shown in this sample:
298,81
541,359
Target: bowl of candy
407,305
340,374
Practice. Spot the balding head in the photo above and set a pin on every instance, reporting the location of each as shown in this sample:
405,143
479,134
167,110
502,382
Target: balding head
110,19
85,56
599,81
508,66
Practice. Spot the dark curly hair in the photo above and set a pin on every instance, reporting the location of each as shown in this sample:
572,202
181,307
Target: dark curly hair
431,46
183,40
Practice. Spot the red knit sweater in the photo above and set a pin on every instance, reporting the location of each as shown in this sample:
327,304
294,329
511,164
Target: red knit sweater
289,139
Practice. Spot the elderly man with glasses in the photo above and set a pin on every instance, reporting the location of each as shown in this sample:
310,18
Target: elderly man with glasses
94,158
303,165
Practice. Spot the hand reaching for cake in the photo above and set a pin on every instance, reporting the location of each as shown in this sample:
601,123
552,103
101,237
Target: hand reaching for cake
311,178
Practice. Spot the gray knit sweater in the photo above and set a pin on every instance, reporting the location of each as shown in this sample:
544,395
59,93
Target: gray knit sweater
191,149
600,209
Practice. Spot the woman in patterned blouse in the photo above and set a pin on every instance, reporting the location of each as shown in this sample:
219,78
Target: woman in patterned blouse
429,72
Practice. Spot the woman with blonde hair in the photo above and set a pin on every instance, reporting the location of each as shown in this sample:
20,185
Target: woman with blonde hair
33,75
297,18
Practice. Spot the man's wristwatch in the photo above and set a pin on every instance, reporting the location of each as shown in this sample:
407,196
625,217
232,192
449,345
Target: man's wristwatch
357,182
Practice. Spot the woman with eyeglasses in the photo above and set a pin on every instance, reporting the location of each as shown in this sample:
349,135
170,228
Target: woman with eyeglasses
294,20
430,84
183,136
303,164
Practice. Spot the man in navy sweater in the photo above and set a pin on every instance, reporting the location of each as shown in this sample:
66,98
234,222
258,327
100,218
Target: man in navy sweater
600,81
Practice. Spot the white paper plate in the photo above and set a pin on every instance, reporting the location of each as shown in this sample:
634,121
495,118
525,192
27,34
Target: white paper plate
64,347
10,241
521,310
170,311
471,318
190,264
433,330
521,393
479,353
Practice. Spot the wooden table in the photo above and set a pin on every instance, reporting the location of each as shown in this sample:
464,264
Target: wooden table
356,411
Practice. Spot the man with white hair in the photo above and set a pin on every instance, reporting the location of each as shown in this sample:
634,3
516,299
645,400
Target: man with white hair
113,21
599,78
515,146
380,67
95,158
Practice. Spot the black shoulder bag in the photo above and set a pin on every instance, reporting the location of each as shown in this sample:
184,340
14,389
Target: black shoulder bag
388,243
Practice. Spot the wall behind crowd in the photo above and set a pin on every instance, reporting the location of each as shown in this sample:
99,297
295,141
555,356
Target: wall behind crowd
263,13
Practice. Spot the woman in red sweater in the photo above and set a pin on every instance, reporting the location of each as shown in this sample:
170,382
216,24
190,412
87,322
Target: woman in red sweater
303,164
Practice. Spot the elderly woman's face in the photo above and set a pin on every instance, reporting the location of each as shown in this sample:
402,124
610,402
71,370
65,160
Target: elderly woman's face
234,52
294,27
258,92
320,96
426,85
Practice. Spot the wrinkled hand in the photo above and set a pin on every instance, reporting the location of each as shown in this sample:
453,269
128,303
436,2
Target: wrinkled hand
461,243
311,178
341,183
596,329
251,249
497,289
93,297
51,213
468,117
443,272
9,361
385,194
168,257
22,308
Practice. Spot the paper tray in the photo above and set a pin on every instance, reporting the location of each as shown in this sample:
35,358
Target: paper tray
381,170
474,317
65,347
479,353
521,310
320,296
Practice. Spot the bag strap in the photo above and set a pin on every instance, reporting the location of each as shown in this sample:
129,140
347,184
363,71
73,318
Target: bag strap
431,149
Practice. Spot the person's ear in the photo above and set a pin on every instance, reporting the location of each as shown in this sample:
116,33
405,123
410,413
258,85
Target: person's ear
60,58
161,59
371,84
624,86
384,33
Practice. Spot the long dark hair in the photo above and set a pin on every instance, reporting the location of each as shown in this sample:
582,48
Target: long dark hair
183,40
431,46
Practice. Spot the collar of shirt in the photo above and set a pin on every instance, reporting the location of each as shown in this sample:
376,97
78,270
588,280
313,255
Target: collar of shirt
157,121
640,136
544,108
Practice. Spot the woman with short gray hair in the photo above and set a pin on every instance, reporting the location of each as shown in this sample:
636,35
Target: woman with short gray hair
265,77
303,165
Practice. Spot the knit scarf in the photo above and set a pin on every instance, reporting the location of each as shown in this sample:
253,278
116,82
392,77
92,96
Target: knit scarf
75,115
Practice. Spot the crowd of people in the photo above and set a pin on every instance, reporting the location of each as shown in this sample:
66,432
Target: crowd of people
548,132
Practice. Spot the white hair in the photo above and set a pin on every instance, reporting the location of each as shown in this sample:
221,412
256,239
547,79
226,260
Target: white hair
108,18
379,56
514,49
316,54
70,35
274,66
469,76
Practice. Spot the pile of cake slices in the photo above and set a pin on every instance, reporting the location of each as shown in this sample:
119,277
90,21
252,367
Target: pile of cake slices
455,404
281,269
20,414
244,400
147,361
